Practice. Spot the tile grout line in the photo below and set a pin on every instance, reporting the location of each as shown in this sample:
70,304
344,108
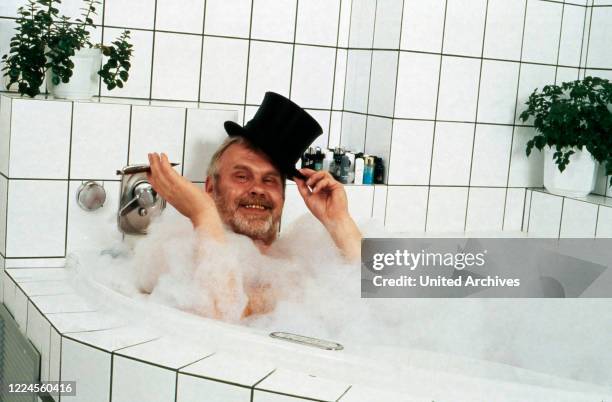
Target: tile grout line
68,181
367,116
297,6
395,95
331,106
246,79
433,138
153,50
467,201
202,52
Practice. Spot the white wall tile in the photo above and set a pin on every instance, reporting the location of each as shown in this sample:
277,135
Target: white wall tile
417,85
406,208
8,294
313,76
131,14
599,51
228,18
446,210
274,20
39,333
36,220
387,25
504,29
5,133
379,204
3,204
205,132
20,310
544,214
317,22
485,211
532,76
340,79
156,129
266,396
66,303
353,131
542,32
345,22
362,23
93,230
464,28
224,67
378,139
55,351
422,25
134,380
382,83
357,80
269,70
192,388
89,367
139,81
360,202
579,219
168,352
515,208
565,74
176,66
230,367
45,139
604,222
525,171
452,153
491,155
411,152
180,16
497,98
304,385
458,88
9,8
334,129
99,129
322,117
571,35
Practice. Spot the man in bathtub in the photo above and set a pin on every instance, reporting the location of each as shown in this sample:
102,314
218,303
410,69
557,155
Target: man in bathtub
245,185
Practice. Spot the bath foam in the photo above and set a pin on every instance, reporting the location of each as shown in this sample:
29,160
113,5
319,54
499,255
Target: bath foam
319,295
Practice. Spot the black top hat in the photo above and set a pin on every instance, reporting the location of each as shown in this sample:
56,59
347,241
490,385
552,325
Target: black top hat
281,129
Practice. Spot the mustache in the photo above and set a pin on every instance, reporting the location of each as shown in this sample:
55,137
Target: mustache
255,201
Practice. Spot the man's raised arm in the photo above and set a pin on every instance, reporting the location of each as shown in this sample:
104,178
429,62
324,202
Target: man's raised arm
328,203
185,196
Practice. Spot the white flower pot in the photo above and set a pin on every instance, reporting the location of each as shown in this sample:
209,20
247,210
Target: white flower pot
578,178
83,83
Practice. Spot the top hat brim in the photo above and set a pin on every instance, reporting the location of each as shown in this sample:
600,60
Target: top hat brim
234,129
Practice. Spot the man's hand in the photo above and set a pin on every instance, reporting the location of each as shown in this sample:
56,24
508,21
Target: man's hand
183,195
328,203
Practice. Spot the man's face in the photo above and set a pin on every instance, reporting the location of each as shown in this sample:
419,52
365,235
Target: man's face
248,193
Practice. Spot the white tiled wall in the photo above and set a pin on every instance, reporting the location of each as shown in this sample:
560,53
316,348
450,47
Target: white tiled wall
434,87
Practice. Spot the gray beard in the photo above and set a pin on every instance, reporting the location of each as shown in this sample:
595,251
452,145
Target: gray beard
257,228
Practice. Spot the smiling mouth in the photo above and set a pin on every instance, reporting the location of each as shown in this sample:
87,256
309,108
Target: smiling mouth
255,207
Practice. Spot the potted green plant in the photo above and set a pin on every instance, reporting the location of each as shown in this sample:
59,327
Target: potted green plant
52,46
574,123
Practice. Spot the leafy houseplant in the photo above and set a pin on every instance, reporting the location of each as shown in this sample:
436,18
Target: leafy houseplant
47,42
573,116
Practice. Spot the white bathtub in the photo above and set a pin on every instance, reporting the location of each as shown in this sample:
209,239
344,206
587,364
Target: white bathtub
170,356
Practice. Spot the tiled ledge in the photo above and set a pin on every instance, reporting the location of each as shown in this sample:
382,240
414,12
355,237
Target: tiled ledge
553,215
111,360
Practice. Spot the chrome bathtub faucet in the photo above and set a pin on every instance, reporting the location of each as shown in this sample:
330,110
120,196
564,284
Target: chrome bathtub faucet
138,201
